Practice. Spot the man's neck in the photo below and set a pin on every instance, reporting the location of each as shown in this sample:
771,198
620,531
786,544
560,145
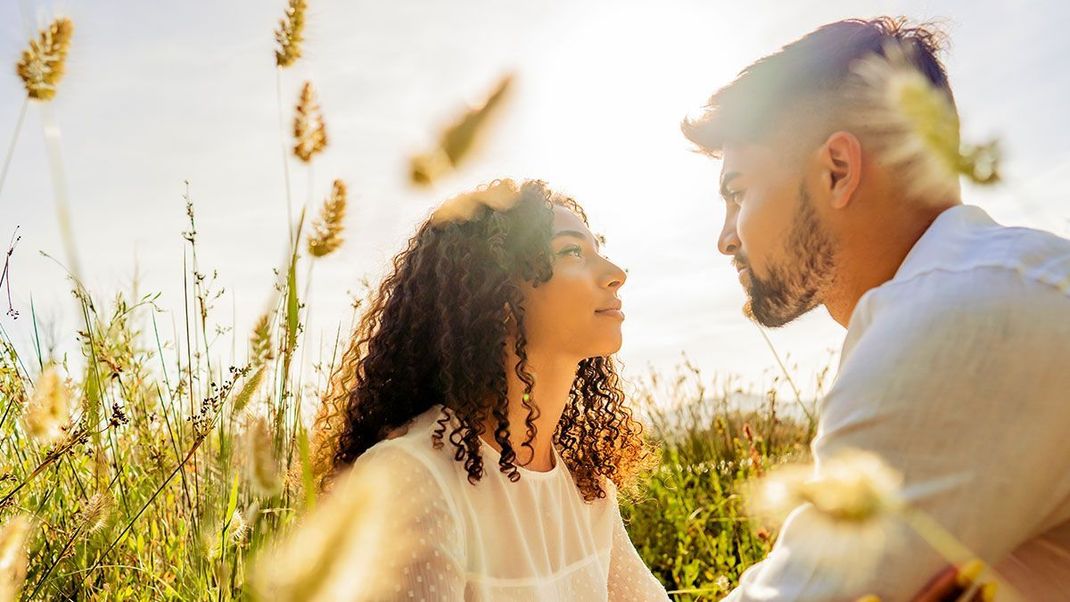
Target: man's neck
872,255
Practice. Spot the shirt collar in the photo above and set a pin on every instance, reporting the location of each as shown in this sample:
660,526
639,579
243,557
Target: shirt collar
939,242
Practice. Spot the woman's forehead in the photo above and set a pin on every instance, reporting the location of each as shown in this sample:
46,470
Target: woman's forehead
564,219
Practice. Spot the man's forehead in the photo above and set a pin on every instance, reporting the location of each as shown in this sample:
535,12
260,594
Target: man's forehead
740,158
734,157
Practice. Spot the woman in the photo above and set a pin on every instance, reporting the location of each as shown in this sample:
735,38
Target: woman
481,377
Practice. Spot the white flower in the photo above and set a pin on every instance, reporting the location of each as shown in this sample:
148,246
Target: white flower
913,127
847,509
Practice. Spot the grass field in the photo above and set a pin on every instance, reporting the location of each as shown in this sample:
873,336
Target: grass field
150,468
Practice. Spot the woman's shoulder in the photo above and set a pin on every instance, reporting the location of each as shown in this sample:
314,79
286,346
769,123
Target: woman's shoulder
408,451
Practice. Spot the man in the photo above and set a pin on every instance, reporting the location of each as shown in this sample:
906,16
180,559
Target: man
956,365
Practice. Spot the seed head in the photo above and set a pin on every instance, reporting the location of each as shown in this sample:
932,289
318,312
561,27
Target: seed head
49,412
95,512
310,130
264,471
326,234
458,140
290,33
13,562
42,63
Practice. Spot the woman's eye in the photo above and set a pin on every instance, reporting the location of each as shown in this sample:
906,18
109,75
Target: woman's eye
571,250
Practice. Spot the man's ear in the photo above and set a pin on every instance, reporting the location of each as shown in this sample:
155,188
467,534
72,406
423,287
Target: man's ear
841,163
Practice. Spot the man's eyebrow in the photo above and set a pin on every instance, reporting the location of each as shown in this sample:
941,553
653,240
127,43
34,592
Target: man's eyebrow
725,180
577,234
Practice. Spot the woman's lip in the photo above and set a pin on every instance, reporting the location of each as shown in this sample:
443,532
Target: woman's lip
614,313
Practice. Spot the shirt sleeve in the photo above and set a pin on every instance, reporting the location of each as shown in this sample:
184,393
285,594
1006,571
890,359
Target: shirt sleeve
630,580
958,382
421,543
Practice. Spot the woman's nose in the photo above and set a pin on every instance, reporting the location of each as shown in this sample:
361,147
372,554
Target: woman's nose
615,275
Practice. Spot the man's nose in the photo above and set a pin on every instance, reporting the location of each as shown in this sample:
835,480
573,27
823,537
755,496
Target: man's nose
728,243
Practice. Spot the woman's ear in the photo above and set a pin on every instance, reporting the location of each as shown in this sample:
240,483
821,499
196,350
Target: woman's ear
841,160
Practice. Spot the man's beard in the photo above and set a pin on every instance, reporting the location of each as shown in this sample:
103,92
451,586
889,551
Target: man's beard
795,287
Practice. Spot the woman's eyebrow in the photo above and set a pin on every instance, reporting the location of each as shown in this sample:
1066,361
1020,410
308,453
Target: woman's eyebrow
577,234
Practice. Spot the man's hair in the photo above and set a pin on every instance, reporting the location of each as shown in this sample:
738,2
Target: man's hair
811,81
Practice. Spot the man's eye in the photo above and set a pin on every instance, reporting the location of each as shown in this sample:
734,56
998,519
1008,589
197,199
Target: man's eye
735,197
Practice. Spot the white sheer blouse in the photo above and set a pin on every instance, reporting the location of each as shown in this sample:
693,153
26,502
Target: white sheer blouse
530,540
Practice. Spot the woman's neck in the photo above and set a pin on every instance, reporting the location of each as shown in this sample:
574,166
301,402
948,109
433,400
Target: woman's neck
553,381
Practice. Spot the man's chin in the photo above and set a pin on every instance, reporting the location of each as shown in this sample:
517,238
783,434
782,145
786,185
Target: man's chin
764,318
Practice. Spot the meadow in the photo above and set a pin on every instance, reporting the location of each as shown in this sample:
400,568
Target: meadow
157,470
159,463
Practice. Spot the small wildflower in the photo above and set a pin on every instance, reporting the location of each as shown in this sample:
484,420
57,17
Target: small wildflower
49,412
264,473
41,65
310,130
722,584
289,35
13,562
458,140
326,234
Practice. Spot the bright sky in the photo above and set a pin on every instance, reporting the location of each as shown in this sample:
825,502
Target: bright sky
160,93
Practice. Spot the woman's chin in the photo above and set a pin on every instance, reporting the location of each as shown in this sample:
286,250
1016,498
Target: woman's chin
609,347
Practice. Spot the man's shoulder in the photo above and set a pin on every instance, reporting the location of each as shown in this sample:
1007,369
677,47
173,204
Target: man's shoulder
972,266
966,240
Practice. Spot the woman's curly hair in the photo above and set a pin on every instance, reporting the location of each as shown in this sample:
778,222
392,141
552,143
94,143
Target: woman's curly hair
435,333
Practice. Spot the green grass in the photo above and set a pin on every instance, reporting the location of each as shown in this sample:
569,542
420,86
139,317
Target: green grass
160,415
690,522
160,427
159,424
